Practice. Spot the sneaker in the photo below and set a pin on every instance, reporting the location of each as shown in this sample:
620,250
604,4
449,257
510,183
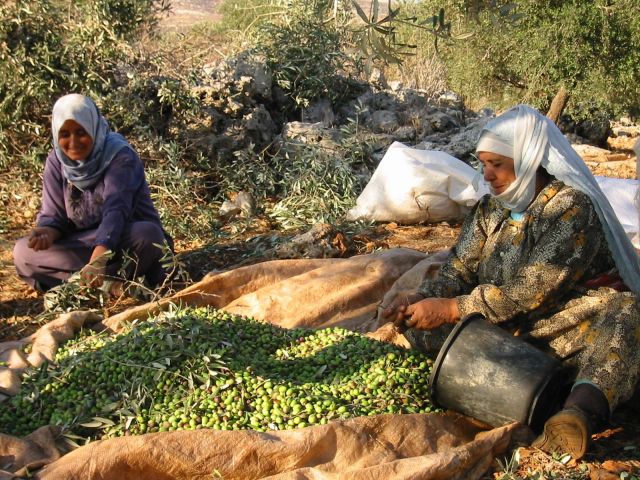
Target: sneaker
565,432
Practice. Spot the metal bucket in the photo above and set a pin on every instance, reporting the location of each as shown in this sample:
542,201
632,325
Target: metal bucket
485,372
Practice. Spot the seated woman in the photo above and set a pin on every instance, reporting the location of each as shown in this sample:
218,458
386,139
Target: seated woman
95,199
522,260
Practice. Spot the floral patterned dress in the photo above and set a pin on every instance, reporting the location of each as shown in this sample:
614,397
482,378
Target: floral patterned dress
526,275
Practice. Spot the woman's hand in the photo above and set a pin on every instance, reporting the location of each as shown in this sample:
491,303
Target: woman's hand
395,311
428,314
41,238
92,274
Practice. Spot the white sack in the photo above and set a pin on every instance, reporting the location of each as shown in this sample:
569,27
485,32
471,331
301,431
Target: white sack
411,186
624,196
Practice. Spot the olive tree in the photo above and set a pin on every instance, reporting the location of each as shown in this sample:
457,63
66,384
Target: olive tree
527,51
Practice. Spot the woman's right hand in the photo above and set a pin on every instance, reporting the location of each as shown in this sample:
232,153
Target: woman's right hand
42,238
396,310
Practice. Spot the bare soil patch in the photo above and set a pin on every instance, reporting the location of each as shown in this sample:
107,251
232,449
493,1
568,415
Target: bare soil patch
186,13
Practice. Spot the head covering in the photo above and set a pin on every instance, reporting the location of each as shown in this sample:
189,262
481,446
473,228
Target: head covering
518,136
536,141
106,144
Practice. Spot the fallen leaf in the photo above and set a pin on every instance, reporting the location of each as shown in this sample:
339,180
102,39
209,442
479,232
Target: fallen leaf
596,473
609,432
616,466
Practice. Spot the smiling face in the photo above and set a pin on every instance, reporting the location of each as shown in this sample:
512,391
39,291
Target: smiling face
74,141
498,171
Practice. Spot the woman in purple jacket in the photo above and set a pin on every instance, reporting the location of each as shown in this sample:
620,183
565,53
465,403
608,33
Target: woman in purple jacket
95,200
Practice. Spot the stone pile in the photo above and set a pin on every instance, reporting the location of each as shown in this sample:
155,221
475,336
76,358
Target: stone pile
248,111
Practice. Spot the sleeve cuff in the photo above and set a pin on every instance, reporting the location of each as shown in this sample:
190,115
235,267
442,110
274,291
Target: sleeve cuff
53,224
466,305
105,243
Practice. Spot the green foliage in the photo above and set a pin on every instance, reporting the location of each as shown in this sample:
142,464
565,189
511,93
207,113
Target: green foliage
127,18
245,14
312,46
49,48
202,368
310,184
304,48
384,38
144,103
317,187
74,294
525,51
182,188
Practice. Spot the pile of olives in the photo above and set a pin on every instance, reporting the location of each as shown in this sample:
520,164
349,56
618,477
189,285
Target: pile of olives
195,368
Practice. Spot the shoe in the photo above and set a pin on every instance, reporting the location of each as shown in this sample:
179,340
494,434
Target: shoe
567,431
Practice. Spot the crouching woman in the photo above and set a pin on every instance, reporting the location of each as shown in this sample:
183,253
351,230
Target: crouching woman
526,259
95,199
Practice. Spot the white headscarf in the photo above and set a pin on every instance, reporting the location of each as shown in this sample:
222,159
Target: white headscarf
106,144
536,141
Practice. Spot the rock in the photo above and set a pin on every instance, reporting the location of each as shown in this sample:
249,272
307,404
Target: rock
243,204
309,132
405,134
589,153
378,80
384,121
319,112
411,99
418,119
486,112
229,209
596,130
250,73
575,139
622,129
450,99
379,101
233,107
321,241
621,142
463,143
260,124
396,86
589,150
246,203
441,122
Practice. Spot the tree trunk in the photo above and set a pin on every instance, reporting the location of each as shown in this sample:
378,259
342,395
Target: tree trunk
558,104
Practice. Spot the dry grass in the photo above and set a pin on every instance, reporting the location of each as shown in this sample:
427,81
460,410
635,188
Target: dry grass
423,71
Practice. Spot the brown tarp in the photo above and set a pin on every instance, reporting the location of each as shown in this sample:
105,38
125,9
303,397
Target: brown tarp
420,446
289,293
313,293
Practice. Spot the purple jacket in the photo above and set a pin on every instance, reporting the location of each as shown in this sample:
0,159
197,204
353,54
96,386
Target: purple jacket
120,197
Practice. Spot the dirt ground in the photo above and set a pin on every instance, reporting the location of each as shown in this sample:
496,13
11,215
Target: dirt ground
186,13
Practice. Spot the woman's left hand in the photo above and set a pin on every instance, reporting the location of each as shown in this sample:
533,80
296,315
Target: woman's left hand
429,313
92,274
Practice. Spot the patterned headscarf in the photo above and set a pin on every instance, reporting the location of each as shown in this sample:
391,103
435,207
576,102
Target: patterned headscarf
106,144
535,141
